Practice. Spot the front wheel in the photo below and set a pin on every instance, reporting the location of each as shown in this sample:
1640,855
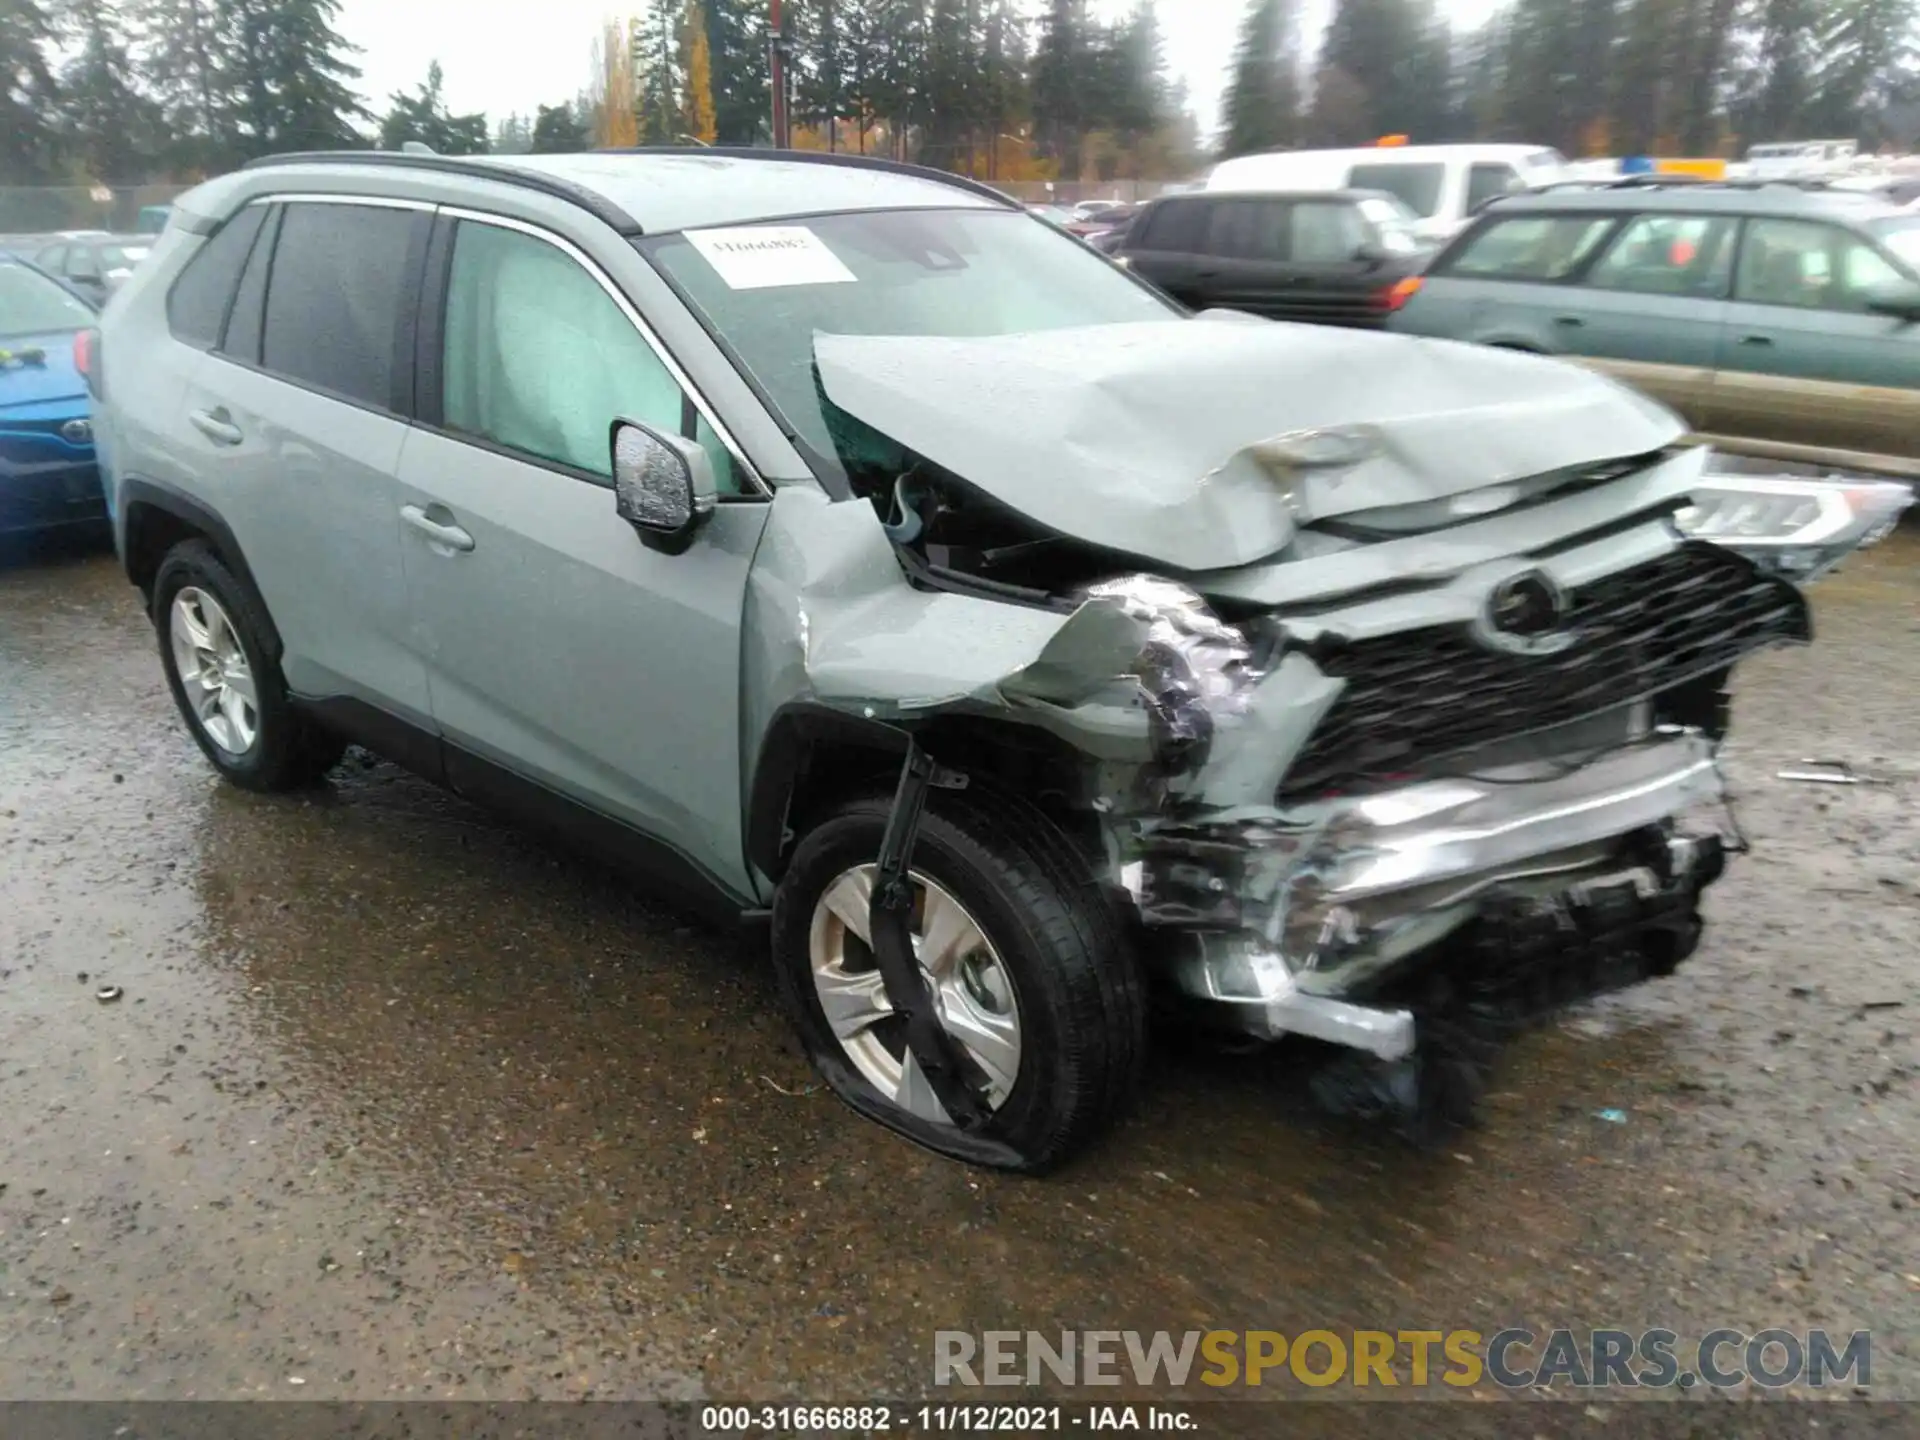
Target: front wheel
1031,970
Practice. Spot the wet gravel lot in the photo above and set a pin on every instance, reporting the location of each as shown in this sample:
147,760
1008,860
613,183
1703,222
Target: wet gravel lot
397,1101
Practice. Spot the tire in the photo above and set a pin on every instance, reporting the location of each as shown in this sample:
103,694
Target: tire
266,745
1079,999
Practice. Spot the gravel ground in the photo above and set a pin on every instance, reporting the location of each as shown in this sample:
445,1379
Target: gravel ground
398,1102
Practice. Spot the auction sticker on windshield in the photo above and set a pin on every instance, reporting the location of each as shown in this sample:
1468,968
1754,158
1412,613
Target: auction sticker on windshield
761,257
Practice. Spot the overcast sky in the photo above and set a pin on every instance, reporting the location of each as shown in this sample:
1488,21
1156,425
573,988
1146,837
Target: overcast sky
512,55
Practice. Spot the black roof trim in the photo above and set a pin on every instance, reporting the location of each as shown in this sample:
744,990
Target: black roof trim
595,204
822,157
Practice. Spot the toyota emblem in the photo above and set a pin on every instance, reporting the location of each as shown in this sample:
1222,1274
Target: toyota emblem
1525,614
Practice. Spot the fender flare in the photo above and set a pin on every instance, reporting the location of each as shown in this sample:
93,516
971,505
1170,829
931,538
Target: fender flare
137,493
797,729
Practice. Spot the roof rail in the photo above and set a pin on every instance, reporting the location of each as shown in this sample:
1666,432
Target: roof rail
824,157
595,204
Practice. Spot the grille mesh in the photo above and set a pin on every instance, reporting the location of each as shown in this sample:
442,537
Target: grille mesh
1421,695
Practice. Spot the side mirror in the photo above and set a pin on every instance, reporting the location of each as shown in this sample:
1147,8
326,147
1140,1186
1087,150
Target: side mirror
1899,298
1369,254
663,485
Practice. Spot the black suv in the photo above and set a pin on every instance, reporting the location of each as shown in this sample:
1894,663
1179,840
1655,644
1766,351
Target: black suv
1331,257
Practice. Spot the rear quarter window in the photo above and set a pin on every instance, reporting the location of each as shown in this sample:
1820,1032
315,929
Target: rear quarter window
1171,225
198,303
1528,247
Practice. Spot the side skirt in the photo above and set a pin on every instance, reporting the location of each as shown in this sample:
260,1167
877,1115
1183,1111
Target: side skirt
662,870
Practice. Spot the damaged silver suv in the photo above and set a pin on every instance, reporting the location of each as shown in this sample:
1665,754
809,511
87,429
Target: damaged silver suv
848,551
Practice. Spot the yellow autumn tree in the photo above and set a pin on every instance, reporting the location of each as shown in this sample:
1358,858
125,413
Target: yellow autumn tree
698,113
615,124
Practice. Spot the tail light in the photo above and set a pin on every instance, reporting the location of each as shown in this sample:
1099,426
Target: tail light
86,359
1401,292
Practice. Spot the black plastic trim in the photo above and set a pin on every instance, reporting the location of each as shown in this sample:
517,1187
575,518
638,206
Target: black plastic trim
796,728
136,492
594,204
597,837
387,735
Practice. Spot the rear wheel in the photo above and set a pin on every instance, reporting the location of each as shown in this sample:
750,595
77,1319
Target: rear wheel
225,679
1031,971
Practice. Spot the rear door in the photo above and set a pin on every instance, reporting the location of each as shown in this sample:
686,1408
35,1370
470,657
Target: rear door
1803,361
562,649
296,423
1650,308
1245,266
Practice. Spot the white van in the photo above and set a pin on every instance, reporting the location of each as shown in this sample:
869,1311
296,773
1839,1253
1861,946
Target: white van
1442,184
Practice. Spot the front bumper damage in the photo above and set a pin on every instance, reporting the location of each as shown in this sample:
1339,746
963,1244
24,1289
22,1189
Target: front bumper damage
1367,890
1344,816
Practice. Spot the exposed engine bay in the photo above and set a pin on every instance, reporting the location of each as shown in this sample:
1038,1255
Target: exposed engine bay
1396,729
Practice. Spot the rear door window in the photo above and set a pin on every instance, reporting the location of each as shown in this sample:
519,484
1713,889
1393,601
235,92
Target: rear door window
1689,255
1418,185
198,303
1249,230
336,298
1530,247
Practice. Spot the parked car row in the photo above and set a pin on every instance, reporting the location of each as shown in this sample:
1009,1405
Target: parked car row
1780,320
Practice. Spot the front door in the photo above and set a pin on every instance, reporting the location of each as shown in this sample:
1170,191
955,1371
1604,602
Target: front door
559,647
1802,359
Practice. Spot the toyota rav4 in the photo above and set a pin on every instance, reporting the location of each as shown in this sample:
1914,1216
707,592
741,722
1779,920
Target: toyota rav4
849,551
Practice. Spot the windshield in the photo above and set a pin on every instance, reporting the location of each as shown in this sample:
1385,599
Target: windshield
122,257
1418,185
31,304
769,289
1902,237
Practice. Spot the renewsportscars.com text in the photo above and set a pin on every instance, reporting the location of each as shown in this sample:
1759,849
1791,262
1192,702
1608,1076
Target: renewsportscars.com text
1513,1359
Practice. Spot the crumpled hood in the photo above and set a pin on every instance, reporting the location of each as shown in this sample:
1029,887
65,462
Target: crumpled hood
1186,442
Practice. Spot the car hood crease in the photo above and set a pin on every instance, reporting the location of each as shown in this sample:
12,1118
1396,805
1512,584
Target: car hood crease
1159,439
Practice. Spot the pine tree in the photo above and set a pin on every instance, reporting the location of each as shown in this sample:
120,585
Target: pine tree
107,123
696,113
28,138
1061,81
423,116
656,76
183,69
742,93
1262,105
290,76
557,131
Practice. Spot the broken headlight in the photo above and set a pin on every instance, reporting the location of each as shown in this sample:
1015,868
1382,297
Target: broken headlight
1798,529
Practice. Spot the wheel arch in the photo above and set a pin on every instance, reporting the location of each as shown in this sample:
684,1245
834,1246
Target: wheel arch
156,518
814,755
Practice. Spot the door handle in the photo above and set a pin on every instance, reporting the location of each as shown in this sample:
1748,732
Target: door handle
216,425
1756,340
1568,322
450,537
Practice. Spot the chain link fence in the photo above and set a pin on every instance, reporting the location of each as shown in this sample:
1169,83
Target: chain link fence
29,212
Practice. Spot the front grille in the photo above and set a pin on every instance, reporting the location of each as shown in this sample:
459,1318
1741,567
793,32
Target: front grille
1421,695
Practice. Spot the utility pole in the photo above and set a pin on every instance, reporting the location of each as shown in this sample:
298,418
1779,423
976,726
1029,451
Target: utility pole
777,74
